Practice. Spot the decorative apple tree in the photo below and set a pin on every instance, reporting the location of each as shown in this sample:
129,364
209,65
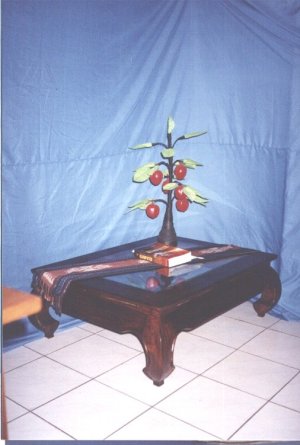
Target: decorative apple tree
170,178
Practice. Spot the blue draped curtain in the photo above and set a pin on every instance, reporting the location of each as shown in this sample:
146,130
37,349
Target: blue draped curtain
82,80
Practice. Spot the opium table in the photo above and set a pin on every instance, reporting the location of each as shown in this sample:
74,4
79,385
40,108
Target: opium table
156,305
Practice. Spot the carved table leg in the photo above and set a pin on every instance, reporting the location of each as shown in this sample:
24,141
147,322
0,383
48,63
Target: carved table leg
44,322
158,340
270,295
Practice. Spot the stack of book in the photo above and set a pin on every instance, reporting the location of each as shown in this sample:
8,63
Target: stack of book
164,255
170,256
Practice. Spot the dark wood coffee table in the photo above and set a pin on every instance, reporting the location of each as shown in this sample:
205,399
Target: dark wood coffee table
156,307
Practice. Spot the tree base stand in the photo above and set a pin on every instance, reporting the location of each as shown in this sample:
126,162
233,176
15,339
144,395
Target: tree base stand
167,235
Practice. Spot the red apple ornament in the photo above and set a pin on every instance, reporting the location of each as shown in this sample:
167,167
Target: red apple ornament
156,177
152,283
152,210
180,171
182,205
179,193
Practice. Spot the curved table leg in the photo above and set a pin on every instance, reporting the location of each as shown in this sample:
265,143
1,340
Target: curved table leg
158,340
270,295
44,322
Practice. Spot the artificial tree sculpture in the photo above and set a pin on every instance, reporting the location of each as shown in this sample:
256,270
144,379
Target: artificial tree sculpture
171,183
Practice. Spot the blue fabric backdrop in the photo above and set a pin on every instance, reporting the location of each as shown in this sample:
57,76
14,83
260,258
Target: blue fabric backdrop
85,79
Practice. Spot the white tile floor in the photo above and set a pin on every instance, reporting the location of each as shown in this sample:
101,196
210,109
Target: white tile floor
236,378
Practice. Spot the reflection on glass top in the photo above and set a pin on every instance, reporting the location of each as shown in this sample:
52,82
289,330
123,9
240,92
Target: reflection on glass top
165,278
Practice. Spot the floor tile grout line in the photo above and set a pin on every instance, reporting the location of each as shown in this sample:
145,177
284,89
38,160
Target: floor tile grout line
269,360
235,347
59,363
285,333
271,327
31,410
117,366
94,379
23,364
255,336
47,354
256,355
87,330
208,339
222,383
152,407
257,317
188,423
44,420
118,342
210,367
98,334
42,354
196,375
284,406
123,393
37,359
17,403
176,390
88,376
147,406
234,387
27,345
91,334
249,322
248,420
21,406
139,400
213,341
287,383
97,376
127,423
17,417
202,374
268,402
59,348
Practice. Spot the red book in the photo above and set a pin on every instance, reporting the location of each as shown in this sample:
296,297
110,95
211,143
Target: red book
163,254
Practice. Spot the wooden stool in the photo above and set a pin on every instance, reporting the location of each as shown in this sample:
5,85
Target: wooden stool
15,305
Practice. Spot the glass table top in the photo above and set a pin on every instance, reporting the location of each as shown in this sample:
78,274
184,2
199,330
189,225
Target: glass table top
157,284
165,278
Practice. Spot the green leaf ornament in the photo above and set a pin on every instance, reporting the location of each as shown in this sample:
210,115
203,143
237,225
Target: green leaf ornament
195,134
190,163
140,205
168,153
145,145
170,186
143,172
171,125
193,195
200,200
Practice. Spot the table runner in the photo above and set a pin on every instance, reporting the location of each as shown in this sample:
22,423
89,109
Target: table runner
52,283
